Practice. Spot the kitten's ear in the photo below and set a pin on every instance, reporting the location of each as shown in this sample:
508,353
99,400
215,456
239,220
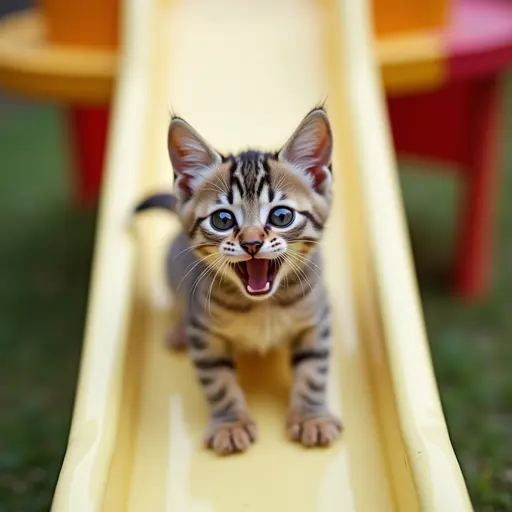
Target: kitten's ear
191,157
309,149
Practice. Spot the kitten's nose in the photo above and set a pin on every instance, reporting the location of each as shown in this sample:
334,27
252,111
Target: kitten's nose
251,246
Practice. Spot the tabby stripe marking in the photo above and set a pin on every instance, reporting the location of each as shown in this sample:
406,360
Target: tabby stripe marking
233,307
217,396
197,343
271,193
222,413
306,355
210,236
310,401
270,190
263,180
315,386
237,183
205,381
322,370
325,314
316,223
196,323
294,233
326,332
212,363
195,227
231,172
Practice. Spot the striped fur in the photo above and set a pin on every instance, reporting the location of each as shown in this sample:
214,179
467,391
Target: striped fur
237,299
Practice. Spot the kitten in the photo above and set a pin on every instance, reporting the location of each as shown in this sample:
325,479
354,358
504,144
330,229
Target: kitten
247,272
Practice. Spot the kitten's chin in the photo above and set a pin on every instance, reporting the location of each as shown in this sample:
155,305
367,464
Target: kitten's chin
257,277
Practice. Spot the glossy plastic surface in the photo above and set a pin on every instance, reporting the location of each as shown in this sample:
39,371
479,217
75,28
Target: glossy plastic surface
135,444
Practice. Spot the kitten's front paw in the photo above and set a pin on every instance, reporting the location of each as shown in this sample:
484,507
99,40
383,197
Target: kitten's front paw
317,430
230,436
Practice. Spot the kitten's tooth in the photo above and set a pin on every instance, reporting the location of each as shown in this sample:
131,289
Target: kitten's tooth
252,290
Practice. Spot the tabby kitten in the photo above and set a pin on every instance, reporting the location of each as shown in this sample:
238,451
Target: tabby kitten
247,272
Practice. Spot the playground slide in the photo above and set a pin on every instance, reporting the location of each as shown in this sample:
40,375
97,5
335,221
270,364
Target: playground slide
245,72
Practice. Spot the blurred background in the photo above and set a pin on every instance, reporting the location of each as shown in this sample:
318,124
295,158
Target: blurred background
460,225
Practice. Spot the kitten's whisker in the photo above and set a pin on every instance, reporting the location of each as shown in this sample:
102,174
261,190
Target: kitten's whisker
194,264
192,247
305,240
217,187
203,274
303,258
293,266
228,263
209,296
280,259
303,273
306,277
298,270
281,180
214,190
226,185
306,263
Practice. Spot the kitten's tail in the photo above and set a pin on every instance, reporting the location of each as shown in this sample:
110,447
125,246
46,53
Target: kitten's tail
163,201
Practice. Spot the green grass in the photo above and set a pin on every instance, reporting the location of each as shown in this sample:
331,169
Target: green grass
45,258
45,255
470,343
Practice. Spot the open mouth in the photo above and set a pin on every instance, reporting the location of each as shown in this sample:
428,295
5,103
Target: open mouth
257,275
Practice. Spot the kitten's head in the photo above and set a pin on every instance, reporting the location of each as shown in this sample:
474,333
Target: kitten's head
253,217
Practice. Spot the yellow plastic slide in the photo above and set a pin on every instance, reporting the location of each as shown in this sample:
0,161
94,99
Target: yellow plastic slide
245,73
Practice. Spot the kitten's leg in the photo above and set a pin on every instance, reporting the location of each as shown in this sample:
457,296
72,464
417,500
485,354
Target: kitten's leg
178,265
231,428
309,419
176,335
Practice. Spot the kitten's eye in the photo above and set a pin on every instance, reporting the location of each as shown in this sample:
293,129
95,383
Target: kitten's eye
281,217
222,220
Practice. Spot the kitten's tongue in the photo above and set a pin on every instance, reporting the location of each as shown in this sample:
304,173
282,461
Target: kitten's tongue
257,271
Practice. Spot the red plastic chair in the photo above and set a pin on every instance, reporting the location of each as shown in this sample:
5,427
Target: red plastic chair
459,123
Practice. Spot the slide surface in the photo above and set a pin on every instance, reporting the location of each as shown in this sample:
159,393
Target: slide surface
245,73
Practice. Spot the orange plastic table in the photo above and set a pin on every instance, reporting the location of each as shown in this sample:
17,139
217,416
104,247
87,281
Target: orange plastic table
83,80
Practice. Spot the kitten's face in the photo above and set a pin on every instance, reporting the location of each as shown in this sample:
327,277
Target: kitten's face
254,217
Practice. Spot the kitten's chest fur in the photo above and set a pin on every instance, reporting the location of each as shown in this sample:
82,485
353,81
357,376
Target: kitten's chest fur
265,326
